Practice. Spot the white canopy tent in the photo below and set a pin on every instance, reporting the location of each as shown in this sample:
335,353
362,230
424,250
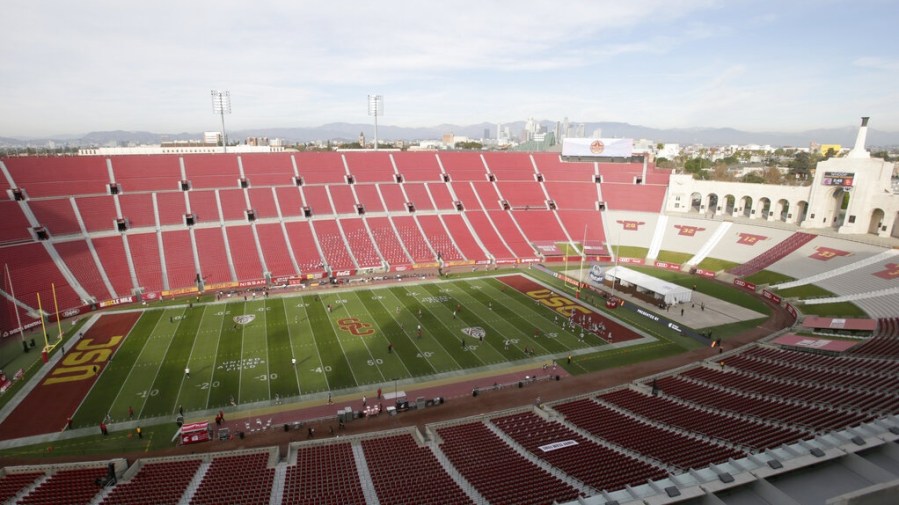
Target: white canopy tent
663,290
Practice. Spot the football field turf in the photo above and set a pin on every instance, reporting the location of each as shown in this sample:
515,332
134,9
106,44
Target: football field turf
342,340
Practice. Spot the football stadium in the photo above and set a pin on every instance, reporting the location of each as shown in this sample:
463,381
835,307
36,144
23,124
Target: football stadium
445,327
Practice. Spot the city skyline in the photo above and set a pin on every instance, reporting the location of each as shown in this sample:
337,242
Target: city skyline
755,66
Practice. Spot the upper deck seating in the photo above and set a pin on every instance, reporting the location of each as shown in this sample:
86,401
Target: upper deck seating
111,251
499,473
573,195
387,241
138,209
393,197
640,198
268,169
244,478
323,474
155,483
464,166
369,197
316,198
418,196
147,264
488,235
179,259
510,166
667,446
417,166
80,261
396,460
56,176
234,204
440,194
415,243
262,200
522,195
219,170
74,485
620,172
462,237
320,167
274,250
370,166
171,207
437,236
290,201
591,463
204,206
14,226
244,254
147,173
554,169
33,271
333,245
302,242
97,212
57,215
213,255
359,242
343,198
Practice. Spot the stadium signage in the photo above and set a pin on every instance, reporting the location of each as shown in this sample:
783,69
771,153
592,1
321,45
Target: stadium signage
82,361
844,179
180,291
705,273
116,301
683,330
649,315
355,326
668,266
247,284
344,273
748,286
771,296
605,147
792,311
244,319
71,313
475,332
557,445
635,261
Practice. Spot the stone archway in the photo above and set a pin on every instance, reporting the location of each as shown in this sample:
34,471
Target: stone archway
746,205
695,202
877,216
730,202
800,212
840,204
895,231
782,210
712,205
764,207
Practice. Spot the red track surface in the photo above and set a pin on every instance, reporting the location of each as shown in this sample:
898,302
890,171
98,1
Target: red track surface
561,305
47,407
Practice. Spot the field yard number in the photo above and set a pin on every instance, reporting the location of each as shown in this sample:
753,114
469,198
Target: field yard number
340,300
326,369
426,354
302,305
412,293
435,299
263,309
207,385
551,335
145,393
471,347
377,297
223,313
271,376
373,362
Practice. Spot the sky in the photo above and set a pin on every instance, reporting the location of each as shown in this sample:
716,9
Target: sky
756,65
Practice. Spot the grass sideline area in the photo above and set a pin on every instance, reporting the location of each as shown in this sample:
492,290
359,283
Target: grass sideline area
716,264
768,277
677,258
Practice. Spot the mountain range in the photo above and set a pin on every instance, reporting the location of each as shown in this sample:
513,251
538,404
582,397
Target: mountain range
340,132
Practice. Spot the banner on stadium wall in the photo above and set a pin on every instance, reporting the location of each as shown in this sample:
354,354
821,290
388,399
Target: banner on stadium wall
400,268
343,273
249,284
667,266
664,321
116,301
748,286
221,285
149,296
606,148
460,263
792,310
633,261
425,265
705,273
506,261
771,296
180,291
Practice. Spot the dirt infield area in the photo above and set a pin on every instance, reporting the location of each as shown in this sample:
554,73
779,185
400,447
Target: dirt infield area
459,401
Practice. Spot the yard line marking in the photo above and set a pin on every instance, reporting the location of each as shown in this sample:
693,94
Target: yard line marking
431,334
189,356
156,375
384,335
215,356
339,343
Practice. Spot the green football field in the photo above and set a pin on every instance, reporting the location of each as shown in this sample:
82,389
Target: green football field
242,351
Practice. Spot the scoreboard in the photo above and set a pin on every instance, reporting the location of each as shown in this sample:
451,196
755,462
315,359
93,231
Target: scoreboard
838,179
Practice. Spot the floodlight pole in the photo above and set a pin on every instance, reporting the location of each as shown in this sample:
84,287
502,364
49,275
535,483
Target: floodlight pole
375,108
221,104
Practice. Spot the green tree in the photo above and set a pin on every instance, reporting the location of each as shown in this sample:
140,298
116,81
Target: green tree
753,177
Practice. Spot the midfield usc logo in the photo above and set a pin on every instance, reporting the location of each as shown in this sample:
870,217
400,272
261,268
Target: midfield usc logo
355,326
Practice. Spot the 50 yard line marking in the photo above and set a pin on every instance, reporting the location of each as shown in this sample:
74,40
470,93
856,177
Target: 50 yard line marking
215,356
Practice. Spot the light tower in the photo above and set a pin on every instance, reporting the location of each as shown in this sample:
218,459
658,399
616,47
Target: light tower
221,105
376,108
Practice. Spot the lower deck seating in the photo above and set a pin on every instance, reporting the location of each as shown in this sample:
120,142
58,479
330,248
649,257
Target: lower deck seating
323,475
244,478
